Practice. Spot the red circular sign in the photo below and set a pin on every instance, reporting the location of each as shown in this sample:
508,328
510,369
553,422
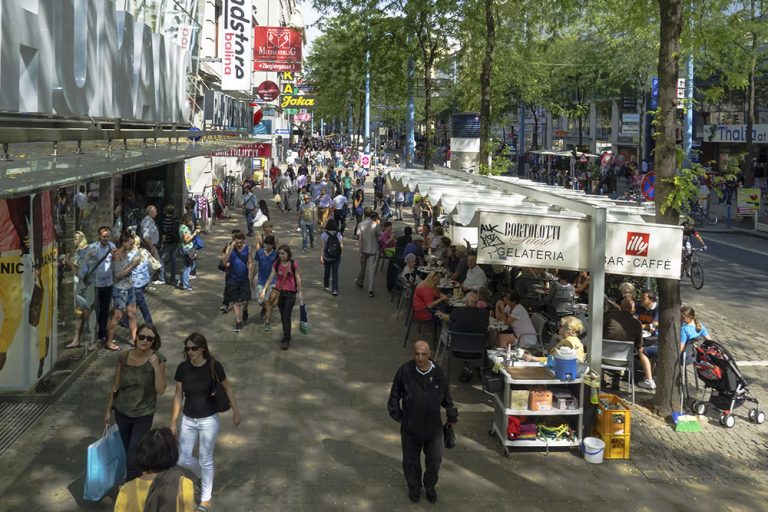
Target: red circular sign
268,91
258,114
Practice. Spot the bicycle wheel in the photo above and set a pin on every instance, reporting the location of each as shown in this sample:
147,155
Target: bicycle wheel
697,275
712,218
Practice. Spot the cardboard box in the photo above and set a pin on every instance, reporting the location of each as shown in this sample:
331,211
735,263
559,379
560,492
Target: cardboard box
518,399
539,399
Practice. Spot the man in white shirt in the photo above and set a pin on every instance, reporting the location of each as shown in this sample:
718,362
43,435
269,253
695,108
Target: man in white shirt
340,211
368,242
475,278
149,232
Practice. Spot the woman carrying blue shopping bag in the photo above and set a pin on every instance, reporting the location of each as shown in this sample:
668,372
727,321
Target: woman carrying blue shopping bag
199,378
139,378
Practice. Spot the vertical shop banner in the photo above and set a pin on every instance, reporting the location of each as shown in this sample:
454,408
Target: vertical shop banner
533,241
647,250
235,46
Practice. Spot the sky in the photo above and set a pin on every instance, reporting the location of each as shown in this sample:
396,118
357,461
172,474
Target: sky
310,18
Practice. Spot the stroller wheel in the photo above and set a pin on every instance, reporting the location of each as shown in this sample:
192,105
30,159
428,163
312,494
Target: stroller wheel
752,414
727,420
759,417
699,407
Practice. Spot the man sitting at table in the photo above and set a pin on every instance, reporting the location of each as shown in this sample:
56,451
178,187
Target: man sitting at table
623,326
415,246
469,319
475,278
461,264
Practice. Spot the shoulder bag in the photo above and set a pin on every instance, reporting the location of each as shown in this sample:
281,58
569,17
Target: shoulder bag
218,395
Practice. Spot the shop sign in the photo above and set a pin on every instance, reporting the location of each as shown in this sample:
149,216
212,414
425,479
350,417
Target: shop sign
276,66
735,133
748,201
235,46
303,117
223,111
268,91
561,133
647,250
307,102
276,44
59,62
257,149
533,241
630,123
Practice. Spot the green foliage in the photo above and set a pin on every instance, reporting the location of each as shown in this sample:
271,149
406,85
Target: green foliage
500,163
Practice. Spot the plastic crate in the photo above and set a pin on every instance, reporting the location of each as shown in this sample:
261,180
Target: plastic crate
616,447
613,416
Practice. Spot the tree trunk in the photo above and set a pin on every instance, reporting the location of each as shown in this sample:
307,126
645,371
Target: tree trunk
485,84
580,121
535,138
428,112
360,121
667,397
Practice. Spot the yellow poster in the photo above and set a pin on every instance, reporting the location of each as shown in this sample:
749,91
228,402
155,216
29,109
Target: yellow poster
748,201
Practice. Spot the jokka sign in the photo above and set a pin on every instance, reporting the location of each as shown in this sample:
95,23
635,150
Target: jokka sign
235,46
532,241
647,250
79,58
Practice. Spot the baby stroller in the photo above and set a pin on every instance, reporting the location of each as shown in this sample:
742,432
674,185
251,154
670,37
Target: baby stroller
717,369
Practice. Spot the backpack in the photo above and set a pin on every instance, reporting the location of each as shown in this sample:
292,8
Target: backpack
332,249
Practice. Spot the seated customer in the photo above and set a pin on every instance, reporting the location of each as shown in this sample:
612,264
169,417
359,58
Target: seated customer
427,297
461,264
475,277
469,319
409,275
402,241
648,312
521,330
415,246
623,326
690,329
567,336
387,240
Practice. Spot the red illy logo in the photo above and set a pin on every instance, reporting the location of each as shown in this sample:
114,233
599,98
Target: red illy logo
637,243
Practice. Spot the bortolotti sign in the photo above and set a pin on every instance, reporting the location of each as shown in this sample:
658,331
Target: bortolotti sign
647,250
235,46
532,241
86,58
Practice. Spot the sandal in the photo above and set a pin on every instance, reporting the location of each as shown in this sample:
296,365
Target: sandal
79,345
201,508
113,348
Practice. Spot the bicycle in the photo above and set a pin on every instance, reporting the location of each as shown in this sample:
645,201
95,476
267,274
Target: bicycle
692,268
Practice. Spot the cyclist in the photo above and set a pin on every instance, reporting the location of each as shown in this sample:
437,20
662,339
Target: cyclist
689,232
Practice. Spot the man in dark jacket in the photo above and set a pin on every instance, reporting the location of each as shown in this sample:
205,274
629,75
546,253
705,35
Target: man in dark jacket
418,391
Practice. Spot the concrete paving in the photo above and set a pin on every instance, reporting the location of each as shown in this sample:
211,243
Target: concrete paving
316,434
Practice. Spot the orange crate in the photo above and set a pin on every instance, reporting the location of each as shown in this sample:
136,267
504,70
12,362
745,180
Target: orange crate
613,416
616,447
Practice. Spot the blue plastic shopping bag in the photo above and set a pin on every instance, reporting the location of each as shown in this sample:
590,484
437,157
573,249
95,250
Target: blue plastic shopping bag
106,465
303,318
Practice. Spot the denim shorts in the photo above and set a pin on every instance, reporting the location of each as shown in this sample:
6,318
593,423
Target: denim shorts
123,298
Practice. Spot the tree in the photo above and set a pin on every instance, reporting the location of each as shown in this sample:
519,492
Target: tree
485,82
667,154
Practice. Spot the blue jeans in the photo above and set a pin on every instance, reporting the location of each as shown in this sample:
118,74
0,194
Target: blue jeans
141,302
168,259
207,429
185,272
249,216
307,233
131,431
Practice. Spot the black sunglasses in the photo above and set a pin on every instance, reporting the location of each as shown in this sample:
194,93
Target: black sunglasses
144,337
192,349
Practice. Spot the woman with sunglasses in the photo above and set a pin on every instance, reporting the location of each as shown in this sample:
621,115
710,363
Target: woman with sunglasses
289,286
199,417
139,378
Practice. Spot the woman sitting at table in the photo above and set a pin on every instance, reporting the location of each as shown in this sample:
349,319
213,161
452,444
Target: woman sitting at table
567,336
426,297
511,312
410,275
387,240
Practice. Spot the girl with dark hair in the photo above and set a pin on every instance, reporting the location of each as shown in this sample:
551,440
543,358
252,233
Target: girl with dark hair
162,484
139,378
511,312
357,207
199,418
264,208
288,285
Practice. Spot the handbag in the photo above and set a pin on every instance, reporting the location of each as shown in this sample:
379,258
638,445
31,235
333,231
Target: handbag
191,254
278,199
303,318
449,436
154,263
36,303
274,297
105,465
197,243
218,395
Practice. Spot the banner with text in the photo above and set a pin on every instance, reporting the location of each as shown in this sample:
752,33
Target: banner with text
235,46
647,250
735,133
533,241
256,149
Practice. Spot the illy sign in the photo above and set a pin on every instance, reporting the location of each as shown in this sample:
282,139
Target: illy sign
637,243
235,46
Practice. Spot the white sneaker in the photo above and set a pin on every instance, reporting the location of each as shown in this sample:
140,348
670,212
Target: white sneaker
647,384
